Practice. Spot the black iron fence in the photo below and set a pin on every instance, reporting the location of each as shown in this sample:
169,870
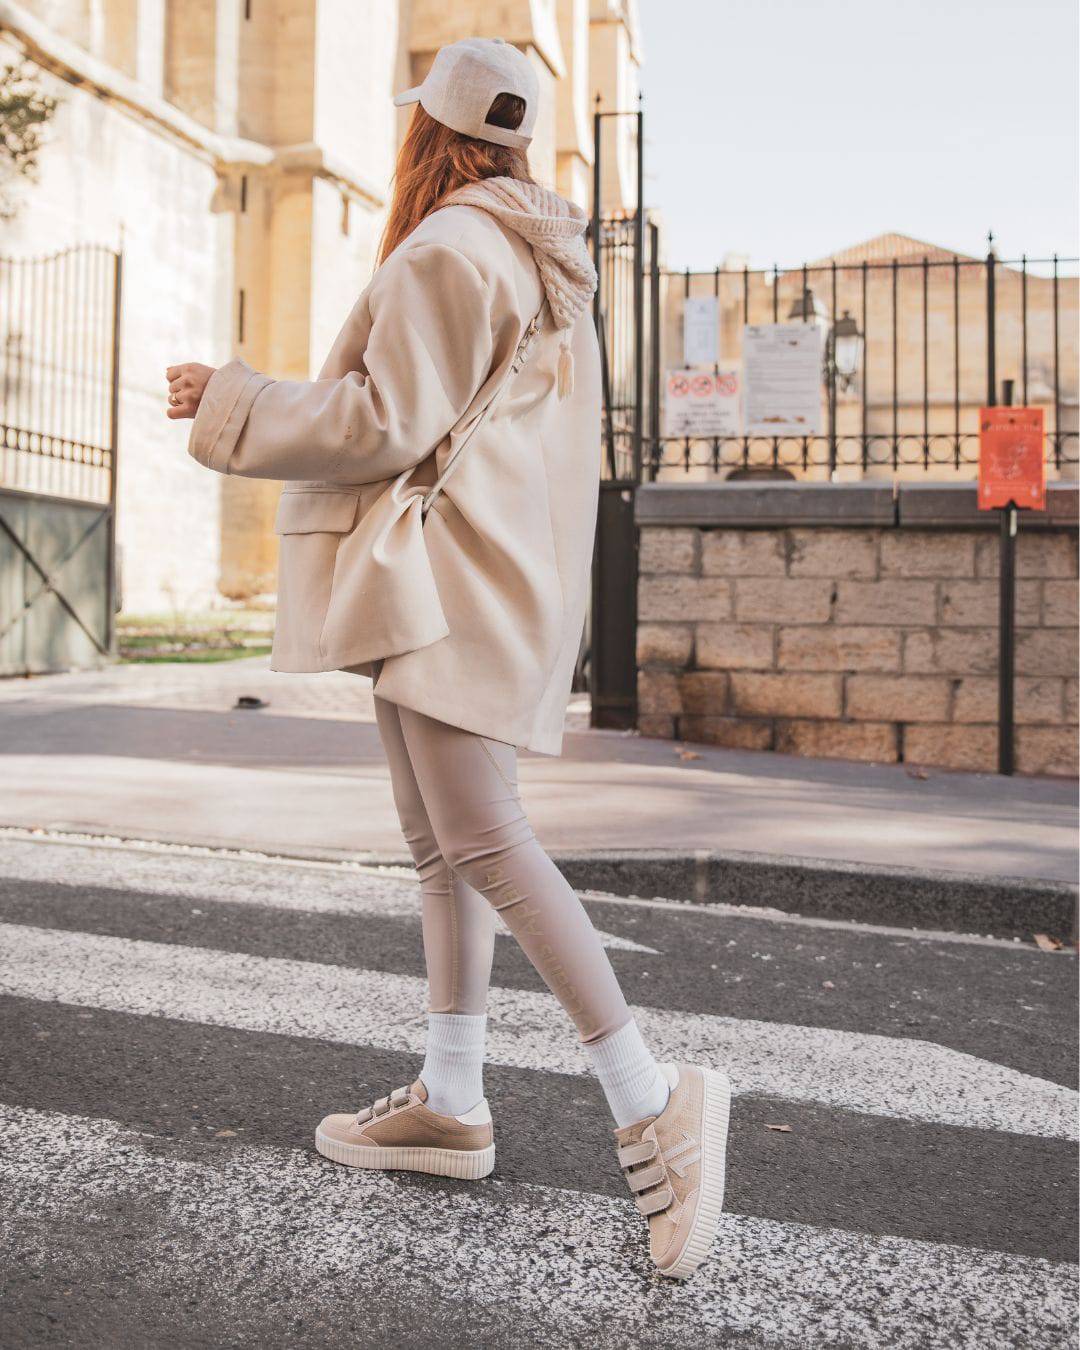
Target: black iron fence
59,400
57,386
935,336
627,341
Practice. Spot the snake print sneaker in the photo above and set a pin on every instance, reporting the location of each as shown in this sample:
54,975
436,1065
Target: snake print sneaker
401,1132
675,1165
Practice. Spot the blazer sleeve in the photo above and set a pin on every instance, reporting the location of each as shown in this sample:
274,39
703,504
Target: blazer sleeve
429,351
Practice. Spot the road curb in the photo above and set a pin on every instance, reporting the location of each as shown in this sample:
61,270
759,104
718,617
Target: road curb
820,888
963,902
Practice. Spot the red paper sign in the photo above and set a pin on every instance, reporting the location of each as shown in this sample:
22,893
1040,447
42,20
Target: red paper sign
1012,467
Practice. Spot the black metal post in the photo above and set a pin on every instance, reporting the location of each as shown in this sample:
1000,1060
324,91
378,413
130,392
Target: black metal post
1058,441
1007,628
597,124
1007,640
895,372
865,380
830,368
831,348
654,350
639,295
613,616
114,448
991,330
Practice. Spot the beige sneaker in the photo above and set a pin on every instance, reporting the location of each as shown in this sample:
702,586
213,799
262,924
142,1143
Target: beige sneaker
674,1164
401,1132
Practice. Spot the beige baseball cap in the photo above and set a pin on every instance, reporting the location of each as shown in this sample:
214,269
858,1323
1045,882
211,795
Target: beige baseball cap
464,80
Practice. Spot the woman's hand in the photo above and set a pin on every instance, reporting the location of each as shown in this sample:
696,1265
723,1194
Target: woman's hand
186,386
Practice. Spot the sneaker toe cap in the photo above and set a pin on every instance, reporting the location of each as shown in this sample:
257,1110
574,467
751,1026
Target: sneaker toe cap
339,1127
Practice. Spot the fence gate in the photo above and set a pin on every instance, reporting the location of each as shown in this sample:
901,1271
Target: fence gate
59,370
619,243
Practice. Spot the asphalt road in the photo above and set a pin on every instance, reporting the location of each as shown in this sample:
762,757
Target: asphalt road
174,1023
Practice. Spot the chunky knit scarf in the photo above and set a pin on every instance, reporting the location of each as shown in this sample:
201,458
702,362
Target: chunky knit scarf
555,230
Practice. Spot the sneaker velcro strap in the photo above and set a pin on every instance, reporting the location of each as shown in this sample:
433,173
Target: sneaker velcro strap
655,1201
643,1151
364,1116
381,1106
399,1096
646,1177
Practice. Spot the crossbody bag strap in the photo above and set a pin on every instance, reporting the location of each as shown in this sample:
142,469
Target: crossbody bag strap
520,357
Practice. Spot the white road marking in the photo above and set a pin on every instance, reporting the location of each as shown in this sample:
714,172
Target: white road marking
247,1219
879,1075
313,889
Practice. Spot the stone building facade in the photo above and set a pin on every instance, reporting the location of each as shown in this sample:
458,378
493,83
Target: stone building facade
241,151
853,622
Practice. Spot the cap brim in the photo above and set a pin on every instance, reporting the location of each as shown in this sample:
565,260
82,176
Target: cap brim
409,96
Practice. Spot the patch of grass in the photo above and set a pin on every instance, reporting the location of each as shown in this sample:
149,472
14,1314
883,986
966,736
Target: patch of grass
206,656
216,635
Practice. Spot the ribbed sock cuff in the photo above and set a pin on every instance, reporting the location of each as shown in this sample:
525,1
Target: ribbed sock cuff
632,1082
453,1071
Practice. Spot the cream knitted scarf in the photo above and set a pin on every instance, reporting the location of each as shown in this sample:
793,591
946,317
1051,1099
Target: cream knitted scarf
555,230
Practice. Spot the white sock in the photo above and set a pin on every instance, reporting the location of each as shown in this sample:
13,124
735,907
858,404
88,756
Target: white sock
453,1071
632,1082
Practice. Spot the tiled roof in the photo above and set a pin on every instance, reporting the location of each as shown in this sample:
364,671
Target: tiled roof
886,247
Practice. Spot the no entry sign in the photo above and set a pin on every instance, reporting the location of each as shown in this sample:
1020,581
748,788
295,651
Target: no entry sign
1011,463
701,403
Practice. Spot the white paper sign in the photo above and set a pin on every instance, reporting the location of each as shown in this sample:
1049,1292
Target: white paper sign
782,364
701,331
701,403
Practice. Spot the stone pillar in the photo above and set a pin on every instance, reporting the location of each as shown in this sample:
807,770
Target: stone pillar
150,45
190,47
573,121
614,57
201,60
273,56
317,75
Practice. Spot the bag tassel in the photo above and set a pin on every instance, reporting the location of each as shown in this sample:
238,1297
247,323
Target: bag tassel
565,370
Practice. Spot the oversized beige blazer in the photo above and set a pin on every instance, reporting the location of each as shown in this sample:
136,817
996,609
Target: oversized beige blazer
509,541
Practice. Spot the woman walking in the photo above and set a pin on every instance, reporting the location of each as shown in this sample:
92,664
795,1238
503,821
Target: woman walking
462,595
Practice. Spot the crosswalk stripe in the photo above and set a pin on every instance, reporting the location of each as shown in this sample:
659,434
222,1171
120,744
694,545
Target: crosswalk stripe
904,1079
248,1218
382,892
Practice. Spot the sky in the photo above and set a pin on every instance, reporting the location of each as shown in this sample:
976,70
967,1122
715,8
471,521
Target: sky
787,129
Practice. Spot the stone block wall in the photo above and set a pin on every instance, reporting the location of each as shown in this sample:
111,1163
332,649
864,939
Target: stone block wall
858,639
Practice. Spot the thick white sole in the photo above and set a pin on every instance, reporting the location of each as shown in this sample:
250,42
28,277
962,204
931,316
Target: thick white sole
714,1133
466,1164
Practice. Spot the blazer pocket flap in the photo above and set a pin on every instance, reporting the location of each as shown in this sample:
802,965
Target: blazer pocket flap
316,511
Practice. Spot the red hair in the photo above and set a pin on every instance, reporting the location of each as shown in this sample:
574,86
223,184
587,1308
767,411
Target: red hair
434,161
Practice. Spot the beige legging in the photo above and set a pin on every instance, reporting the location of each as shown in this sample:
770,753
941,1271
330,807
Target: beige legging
457,797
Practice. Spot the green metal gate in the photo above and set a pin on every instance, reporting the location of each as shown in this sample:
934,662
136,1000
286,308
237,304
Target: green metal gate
59,398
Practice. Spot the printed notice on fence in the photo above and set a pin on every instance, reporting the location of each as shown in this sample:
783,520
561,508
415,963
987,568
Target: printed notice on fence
701,403
701,330
782,362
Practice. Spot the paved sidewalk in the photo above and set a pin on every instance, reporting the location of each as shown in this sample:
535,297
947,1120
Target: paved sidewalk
160,751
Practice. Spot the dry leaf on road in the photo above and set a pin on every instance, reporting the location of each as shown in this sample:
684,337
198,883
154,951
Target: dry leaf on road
780,1129
1047,943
